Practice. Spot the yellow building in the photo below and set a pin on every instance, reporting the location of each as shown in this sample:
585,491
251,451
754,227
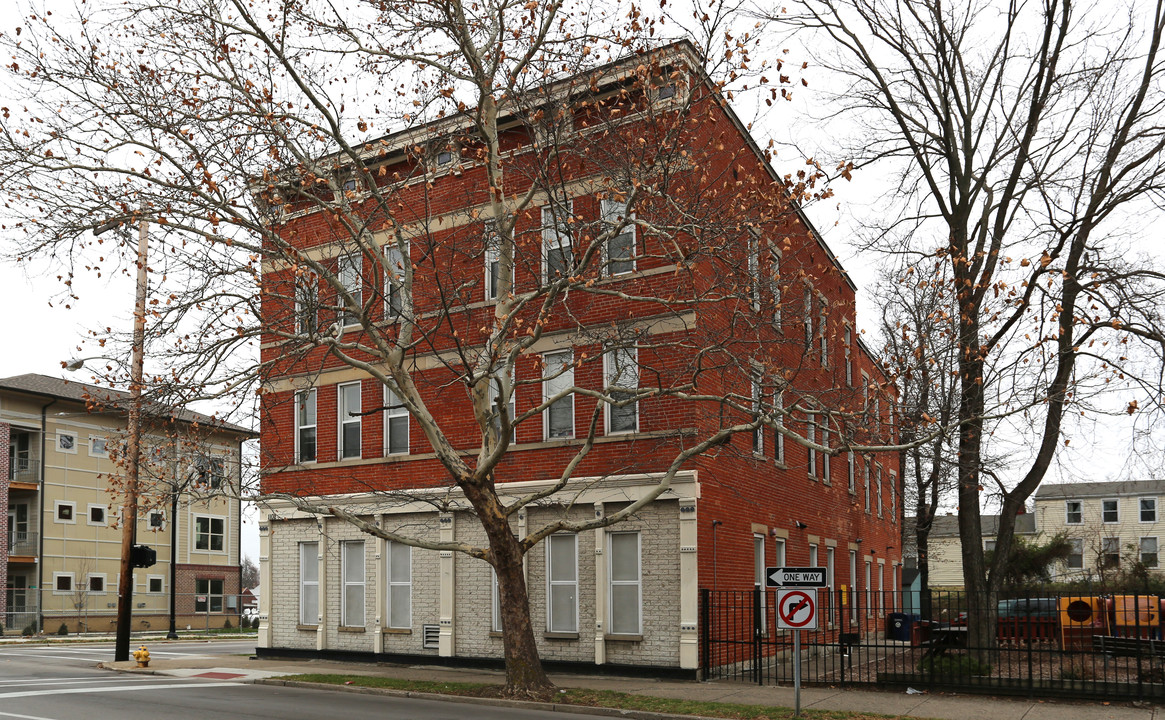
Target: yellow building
60,542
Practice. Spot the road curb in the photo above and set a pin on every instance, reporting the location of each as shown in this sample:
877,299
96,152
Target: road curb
493,702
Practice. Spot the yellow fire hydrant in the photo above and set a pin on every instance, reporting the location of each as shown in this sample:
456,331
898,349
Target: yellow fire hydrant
142,655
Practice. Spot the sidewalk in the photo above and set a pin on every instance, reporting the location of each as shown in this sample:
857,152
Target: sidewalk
944,706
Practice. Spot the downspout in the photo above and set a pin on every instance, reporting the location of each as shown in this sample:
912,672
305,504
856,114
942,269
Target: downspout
41,518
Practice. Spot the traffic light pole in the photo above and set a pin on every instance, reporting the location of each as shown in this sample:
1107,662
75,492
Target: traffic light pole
132,455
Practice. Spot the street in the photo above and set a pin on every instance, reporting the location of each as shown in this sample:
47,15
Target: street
62,682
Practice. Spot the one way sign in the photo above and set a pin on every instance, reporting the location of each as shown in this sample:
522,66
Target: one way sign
806,577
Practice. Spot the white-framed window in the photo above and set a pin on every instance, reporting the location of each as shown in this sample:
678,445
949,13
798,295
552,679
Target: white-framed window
851,473
822,335
63,582
878,477
831,603
209,533
305,426
96,514
754,271
813,555
757,394
400,584
1148,509
775,285
893,497
1148,552
349,412
847,339
811,436
779,551
67,442
396,425
562,583
98,446
758,572
557,257
352,577
156,519
559,377
778,436
350,276
825,475
1076,554
96,583
854,597
309,583
65,511
210,471
394,279
869,605
1110,510
495,390
1110,552
881,589
496,622
621,370
307,304
155,584
493,261
1073,512
620,250
866,464
625,602
807,319
209,595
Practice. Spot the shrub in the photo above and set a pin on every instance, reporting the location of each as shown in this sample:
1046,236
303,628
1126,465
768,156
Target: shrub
255,623
954,665
1078,668
63,629
226,624
29,630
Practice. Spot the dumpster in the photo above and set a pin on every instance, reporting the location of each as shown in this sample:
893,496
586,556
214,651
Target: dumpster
899,626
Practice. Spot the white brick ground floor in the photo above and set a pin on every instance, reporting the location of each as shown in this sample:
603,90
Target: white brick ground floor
622,595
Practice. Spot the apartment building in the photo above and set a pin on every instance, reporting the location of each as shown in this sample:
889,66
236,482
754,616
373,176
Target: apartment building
60,542
333,434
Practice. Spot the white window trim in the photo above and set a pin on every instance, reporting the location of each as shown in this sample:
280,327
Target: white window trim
756,391
847,339
779,438
759,565
1141,551
67,451
826,476
881,588
392,399
547,212
608,373
151,578
390,583
1068,513
1156,510
89,515
72,583
345,264
495,623
390,250
775,282
93,439
853,581
307,287
878,480
629,227
822,334
869,605
492,254
753,263
866,472
1075,543
226,531
1118,511
298,397
811,436
156,511
851,473
550,583
345,583
546,394
612,582
309,585
341,421
57,505
104,584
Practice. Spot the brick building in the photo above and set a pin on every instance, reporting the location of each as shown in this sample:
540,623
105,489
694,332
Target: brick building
701,305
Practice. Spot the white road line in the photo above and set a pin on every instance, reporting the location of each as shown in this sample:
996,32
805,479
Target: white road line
117,688
67,681
24,717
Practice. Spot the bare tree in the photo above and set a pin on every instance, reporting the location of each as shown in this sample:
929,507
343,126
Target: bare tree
250,577
1028,138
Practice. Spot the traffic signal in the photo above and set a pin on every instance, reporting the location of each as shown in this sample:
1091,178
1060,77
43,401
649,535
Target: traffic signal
143,556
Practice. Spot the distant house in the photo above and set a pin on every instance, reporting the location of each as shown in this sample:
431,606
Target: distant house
945,549
1111,524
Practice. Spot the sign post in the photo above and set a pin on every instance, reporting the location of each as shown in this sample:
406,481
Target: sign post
796,611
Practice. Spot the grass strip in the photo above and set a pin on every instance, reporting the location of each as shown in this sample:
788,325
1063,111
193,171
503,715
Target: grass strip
592,698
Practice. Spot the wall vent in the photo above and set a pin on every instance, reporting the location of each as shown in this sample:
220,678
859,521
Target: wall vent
431,637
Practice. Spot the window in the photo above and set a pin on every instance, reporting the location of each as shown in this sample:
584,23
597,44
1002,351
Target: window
495,391
67,442
348,396
851,473
775,283
754,271
893,497
97,583
352,577
559,369
758,433
396,425
209,471
349,277
869,605
779,547
878,476
1148,506
665,92
625,584
209,533
1110,552
98,447
64,511
989,546
394,279
1076,556
400,584
847,340
620,248
778,436
825,477
493,262
1149,552
556,242
822,335
881,589
305,425
830,597
853,579
758,572
866,463
496,625
813,555
155,584
562,580
807,319
621,367
1110,511
156,520
811,436
1074,512
444,157
208,595
62,582
307,303
309,583
97,515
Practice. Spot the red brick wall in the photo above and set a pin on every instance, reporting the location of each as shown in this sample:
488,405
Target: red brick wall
5,432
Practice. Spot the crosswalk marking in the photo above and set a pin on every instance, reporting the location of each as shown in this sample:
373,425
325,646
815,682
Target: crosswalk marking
133,687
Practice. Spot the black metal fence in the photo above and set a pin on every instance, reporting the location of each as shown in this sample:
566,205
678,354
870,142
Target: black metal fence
1087,646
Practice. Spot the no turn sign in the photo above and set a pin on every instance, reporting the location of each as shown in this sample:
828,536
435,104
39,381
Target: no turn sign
797,609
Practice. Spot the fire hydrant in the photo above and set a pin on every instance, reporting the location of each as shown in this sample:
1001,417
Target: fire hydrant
142,655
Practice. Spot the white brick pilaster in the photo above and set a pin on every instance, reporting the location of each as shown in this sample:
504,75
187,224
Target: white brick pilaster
448,587
266,598
600,590
689,586
321,559
379,588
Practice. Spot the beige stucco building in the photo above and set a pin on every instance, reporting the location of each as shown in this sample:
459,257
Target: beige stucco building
60,541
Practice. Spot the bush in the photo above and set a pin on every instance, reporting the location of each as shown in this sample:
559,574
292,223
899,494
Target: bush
63,629
255,623
226,624
29,630
1078,668
954,665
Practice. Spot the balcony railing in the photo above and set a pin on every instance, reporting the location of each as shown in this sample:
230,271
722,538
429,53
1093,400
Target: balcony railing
23,469
21,543
21,615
